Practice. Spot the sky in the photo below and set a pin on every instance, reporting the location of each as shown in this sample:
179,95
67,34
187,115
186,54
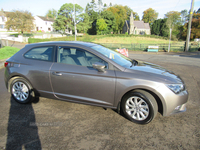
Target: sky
40,7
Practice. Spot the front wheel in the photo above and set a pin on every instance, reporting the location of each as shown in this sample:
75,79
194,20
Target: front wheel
139,106
21,90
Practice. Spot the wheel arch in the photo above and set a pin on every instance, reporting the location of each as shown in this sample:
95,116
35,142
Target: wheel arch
154,94
14,76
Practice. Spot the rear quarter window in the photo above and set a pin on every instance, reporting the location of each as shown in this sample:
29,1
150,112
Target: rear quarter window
40,53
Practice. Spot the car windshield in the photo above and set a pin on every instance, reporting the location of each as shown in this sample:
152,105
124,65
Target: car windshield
115,56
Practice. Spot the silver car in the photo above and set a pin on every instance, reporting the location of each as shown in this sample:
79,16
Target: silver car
89,73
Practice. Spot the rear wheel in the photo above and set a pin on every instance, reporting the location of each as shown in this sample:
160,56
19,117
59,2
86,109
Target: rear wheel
21,90
139,106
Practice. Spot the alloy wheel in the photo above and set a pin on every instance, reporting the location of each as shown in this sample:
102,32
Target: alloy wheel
137,108
20,91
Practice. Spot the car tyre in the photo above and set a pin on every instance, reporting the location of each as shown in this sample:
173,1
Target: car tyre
139,106
21,90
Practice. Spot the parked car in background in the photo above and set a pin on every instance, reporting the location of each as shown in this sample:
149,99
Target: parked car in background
89,73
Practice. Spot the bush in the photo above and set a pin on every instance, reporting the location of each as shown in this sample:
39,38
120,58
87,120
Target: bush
24,35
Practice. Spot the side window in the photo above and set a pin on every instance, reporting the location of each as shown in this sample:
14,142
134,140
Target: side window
91,58
76,56
40,53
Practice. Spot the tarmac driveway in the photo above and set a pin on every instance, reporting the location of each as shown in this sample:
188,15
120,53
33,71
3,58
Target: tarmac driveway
52,124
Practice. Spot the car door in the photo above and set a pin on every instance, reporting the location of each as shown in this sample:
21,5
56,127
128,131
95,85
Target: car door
36,64
76,80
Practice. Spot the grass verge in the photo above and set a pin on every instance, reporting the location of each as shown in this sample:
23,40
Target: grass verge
7,52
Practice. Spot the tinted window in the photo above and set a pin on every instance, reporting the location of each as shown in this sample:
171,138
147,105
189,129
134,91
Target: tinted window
40,53
76,56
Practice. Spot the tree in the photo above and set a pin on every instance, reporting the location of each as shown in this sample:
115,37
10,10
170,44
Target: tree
21,21
159,27
61,24
51,13
195,28
174,22
128,11
84,24
65,18
198,11
155,29
100,3
120,14
101,25
174,18
110,20
149,16
91,10
196,15
184,16
104,6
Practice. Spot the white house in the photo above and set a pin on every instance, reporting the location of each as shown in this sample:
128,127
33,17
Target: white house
3,20
43,24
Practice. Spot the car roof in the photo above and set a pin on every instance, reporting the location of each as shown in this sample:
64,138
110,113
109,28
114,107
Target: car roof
87,44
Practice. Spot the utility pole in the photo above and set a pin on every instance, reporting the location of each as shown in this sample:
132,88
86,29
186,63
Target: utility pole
170,39
74,21
189,27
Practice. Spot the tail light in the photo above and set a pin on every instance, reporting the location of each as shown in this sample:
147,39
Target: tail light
5,64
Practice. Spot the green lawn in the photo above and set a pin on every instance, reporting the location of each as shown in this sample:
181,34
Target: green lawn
7,52
120,39
133,39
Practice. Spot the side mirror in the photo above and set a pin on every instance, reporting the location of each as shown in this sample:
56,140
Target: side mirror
99,66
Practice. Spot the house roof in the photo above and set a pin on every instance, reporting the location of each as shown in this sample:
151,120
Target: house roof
147,25
4,13
139,24
1,13
46,19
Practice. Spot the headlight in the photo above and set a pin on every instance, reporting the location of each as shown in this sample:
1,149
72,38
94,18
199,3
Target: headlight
176,88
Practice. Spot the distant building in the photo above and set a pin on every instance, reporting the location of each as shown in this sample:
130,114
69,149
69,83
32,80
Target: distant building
3,20
136,27
43,24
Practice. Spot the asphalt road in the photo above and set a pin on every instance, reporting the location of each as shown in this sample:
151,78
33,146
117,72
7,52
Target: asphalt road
52,124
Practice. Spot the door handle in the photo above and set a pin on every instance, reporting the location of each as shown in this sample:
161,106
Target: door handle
57,73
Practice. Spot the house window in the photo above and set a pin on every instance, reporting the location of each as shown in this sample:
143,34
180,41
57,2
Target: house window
2,19
1,26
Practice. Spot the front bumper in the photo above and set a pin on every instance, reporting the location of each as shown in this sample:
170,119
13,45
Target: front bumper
179,109
172,103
